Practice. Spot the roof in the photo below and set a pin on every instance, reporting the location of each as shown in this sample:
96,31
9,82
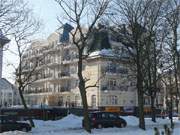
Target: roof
99,41
6,85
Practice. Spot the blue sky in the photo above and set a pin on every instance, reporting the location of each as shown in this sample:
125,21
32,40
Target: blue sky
45,10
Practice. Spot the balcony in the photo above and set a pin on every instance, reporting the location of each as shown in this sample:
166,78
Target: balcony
42,78
36,91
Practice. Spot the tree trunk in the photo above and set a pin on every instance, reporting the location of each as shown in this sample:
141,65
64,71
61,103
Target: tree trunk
176,84
175,63
154,90
171,111
153,113
140,92
25,107
83,94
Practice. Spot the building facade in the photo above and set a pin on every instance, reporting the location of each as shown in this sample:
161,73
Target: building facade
9,95
108,65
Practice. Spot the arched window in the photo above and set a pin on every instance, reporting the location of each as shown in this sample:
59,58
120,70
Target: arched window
93,100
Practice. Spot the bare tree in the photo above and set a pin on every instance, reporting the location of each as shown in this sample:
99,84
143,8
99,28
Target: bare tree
84,15
155,26
167,80
132,14
173,21
138,23
11,14
21,35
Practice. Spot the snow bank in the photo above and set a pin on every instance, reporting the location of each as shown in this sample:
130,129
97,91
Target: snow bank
15,133
70,121
131,120
72,125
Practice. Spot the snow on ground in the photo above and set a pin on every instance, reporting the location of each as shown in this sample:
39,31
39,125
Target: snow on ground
71,125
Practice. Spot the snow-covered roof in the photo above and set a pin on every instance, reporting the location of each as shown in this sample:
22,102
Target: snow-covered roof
103,52
5,85
109,53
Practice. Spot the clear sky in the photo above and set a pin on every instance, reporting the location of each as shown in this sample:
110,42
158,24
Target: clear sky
45,10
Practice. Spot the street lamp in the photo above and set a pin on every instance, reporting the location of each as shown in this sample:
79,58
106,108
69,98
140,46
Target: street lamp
3,40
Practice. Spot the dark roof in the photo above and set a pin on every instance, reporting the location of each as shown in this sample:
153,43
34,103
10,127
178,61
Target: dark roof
66,30
3,39
99,41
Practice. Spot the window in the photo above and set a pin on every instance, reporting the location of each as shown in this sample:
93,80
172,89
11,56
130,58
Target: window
112,83
122,70
60,103
131,101
93,100
147,101
112,116
111,67
104,115
114,100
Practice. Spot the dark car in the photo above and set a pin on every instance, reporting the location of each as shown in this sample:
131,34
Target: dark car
9,124
105,119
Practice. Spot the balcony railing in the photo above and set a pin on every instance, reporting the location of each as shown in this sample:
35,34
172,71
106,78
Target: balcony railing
37,91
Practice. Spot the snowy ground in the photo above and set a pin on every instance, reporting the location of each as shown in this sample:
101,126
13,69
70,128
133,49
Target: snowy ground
71,125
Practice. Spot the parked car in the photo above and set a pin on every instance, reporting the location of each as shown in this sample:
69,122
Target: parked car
9,124
105,119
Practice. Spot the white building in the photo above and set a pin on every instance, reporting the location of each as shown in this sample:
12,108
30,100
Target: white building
56,81
8,94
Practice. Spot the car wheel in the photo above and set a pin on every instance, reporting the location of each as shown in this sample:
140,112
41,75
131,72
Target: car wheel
24,129
122,125
99,126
